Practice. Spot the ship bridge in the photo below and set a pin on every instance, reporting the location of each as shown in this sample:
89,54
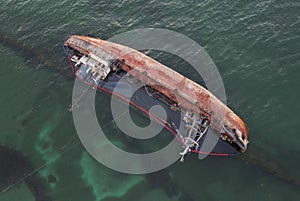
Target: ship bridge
95,67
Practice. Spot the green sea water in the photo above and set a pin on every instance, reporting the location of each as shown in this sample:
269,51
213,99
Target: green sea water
255,45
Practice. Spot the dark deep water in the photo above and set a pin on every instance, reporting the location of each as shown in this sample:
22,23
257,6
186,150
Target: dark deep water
254,44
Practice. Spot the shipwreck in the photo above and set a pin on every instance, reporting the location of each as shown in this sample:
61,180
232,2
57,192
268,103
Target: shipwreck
101,63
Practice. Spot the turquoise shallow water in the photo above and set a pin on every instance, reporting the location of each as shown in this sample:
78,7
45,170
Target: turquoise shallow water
254,44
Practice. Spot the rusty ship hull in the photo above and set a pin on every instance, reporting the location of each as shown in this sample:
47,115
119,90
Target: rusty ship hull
103,63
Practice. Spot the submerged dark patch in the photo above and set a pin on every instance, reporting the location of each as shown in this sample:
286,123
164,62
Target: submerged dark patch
15,168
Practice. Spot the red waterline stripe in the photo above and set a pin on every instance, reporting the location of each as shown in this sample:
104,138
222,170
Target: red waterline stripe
156,119
210,153
151,115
